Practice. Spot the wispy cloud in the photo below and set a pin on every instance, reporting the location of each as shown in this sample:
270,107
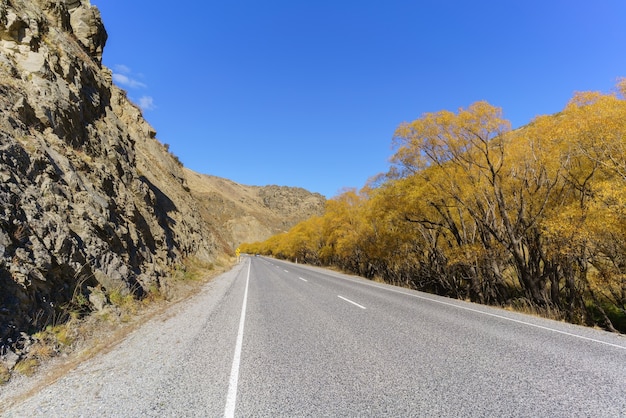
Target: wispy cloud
122,69
146,103
124,77
126,81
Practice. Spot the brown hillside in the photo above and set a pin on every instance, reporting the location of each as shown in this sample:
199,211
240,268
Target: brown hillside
239,213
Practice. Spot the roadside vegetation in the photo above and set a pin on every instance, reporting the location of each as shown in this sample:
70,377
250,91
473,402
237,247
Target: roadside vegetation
531,219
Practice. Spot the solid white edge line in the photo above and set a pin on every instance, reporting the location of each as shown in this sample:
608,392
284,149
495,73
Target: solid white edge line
349,301
487,313
529,324
231,398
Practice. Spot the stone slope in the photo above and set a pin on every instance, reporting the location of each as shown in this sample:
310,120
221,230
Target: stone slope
240,213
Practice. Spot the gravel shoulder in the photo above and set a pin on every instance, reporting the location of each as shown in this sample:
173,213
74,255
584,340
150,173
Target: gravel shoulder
141,375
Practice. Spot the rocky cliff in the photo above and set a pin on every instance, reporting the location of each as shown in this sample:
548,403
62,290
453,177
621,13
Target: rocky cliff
90,201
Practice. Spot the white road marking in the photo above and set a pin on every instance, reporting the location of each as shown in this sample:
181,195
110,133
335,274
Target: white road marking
304,280
518,321
349,301
286,271
231,399
525,323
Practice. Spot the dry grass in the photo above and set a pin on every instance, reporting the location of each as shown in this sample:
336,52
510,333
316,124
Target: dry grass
27,367
5,374
193,270
523,306
42,351
124,301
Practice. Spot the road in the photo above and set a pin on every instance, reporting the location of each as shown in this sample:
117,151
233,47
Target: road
271,338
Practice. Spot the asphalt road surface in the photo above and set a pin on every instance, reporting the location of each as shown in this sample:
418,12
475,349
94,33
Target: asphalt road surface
271,338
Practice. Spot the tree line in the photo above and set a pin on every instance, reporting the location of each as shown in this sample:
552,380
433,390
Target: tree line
532,218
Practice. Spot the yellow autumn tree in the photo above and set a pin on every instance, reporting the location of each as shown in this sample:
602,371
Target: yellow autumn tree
455,161
589,229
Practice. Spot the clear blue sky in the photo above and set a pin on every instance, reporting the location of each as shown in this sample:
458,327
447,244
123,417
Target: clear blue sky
309,93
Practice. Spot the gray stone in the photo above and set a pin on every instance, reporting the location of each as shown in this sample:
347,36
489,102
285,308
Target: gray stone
10,359
97,298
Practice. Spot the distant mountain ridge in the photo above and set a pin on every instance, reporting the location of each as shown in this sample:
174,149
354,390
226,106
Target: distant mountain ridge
242,213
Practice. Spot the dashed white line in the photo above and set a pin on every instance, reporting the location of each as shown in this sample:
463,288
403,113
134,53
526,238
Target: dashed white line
349,301
286,271
304,280
231,398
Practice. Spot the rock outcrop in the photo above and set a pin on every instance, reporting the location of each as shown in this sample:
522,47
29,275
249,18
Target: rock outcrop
90,201
87,26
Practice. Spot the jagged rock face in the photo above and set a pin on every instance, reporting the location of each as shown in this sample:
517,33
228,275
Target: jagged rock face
89,199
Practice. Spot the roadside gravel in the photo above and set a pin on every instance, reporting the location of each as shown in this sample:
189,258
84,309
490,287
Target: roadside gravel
142,376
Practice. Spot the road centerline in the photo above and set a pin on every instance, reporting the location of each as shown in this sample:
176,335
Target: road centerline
231,398
352,302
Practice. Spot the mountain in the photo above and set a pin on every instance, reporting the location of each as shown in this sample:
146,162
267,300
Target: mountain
90,201
241,213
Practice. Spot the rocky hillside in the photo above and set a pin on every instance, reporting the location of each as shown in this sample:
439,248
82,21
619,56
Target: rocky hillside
241,213
90,201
